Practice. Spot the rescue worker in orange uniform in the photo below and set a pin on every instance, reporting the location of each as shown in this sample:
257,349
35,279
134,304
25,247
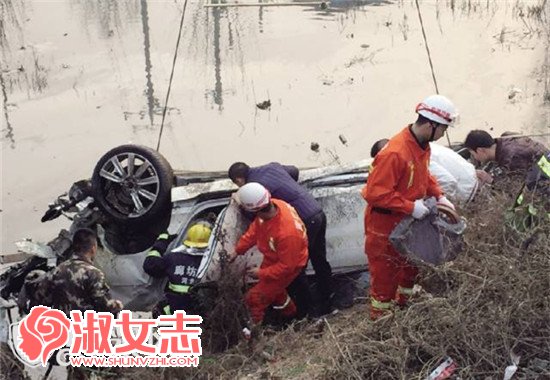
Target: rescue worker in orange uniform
280,235
396,187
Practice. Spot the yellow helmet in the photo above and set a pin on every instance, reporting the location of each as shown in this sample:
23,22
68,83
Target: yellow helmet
198,236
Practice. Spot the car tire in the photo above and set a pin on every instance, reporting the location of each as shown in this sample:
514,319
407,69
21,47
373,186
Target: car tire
132,184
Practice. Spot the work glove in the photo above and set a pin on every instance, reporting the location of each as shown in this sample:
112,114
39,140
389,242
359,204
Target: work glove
445,202
420,210
163,240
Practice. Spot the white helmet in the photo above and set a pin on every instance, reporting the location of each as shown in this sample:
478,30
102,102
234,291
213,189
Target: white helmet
439,109
253,196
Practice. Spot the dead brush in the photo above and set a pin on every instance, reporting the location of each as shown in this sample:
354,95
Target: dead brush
221,305
224,314
490,302
10,367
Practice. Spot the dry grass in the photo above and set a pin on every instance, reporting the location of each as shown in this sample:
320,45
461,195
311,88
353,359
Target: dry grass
490,302
10,367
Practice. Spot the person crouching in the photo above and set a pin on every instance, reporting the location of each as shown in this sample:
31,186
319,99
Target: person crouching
180,266
280,235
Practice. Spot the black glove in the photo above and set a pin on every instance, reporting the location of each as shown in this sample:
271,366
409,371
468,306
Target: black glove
162,243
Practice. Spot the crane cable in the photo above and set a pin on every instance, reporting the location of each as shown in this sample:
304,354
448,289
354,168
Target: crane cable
430,60
171,75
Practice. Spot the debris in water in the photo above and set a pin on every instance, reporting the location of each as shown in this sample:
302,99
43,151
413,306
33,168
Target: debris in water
324,5
513,92
264,105
314,147
365,46
343,139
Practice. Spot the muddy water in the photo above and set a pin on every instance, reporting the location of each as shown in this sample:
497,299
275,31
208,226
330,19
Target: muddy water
80,77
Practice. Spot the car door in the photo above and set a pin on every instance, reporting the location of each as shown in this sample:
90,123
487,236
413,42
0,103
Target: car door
340,197
230,226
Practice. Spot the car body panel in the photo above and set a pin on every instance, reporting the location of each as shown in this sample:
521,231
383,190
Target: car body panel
126,278
337,188
212,183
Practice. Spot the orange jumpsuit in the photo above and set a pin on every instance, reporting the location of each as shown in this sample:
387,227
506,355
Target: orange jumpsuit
399,176
283,242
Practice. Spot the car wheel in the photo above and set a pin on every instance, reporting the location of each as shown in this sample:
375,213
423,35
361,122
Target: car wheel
132,184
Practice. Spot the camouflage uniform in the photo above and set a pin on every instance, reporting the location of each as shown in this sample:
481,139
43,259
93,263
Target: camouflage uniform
77,285
36,290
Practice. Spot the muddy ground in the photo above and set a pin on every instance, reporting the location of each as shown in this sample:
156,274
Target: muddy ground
81,77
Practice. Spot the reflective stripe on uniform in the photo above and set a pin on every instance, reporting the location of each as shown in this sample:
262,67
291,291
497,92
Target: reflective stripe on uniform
287,302
179,288
405,291
162,236
544,165
380,305
411,175
154,253
166,310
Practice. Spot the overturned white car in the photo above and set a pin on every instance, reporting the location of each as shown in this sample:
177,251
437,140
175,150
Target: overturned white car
134,195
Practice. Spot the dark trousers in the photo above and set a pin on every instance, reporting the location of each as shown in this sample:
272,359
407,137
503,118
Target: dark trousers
299,288
316,226
299,291
173,302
